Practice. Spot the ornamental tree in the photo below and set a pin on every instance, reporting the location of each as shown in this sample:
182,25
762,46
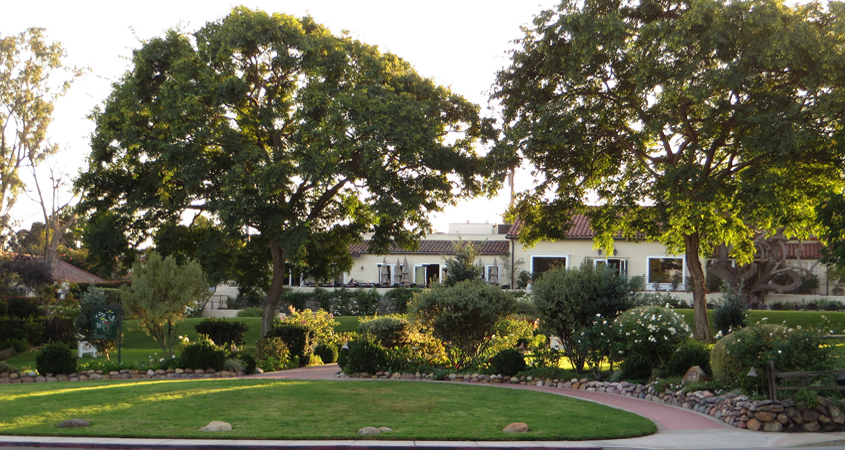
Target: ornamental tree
694,123
298,140
160,293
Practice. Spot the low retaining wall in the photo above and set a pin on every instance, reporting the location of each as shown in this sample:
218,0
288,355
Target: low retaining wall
33,377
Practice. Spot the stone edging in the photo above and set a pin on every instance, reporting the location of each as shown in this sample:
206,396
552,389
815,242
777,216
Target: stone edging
125,374
735,410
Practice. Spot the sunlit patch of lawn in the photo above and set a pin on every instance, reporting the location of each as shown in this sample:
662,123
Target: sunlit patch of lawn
277,409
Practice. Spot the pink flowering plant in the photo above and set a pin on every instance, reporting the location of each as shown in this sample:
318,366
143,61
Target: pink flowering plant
652,332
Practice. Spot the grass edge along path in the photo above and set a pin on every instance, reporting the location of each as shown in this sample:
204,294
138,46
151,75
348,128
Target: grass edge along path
308,410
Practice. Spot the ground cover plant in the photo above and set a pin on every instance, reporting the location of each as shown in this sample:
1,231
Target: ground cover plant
261,409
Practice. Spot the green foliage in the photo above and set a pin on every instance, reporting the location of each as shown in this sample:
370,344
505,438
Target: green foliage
401,297
222,332
464,317
160,292
732,312
696,117
251,312
365,356
203,354
508,334
665,299
7,368
326,352
234,365
690,353
55,358
21,307
248,361
651,332
464,265
312,146
298,338
273,354
20,345
598,344
636,369
508,362
32,78
791,349
29,329
89,301
570,300
321,322
388,331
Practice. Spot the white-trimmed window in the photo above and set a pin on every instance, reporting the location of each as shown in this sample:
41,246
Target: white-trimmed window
424,274
542,263
665,273
618,265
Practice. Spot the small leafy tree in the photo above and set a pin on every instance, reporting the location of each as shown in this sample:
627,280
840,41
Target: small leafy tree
570,300
160,292
88,303
464,317
732,312
463,266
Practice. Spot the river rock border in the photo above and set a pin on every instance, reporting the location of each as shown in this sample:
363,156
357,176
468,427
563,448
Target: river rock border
733,409
125,374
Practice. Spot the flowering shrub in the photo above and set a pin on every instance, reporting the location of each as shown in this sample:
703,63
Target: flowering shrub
273,354
791,349
652,332
321,322
597,344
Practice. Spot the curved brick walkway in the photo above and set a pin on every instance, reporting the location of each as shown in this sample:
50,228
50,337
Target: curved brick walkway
667,417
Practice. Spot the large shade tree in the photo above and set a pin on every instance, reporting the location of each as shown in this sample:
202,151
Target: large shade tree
695,123
272,126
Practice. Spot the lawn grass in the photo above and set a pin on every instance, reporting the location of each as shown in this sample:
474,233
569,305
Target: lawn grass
282,409
821,320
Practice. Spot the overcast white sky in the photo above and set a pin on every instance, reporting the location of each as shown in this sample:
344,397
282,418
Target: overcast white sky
458,43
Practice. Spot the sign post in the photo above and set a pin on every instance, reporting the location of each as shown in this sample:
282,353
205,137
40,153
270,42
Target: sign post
107,324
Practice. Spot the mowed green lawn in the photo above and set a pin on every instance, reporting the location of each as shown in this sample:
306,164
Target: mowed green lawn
821,320
282,409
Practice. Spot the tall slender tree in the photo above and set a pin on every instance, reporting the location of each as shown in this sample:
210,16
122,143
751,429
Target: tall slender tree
32,77
692,122
271,124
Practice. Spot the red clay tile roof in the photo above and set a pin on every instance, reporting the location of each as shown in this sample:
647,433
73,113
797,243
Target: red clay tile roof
63,271
488,248
580,228
806,250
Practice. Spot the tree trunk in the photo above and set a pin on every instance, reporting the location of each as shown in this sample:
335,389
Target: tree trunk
701,328
277,286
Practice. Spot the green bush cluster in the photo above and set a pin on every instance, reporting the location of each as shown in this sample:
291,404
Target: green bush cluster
365,356
691,353
20,345
299,339
273,354
732,311
203,354
222,332
252,311
389,331
55,358
326,352
7,368
791,350
508,362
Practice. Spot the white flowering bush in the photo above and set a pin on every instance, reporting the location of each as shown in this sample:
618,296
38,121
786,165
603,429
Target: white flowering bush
651,332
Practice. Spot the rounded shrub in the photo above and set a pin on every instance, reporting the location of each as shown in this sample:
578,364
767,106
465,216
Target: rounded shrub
55,358
652,332
223,332
690,353
203,354
508,362
326,352
234,365
273,353
365,356
636,369
300,339
390,332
